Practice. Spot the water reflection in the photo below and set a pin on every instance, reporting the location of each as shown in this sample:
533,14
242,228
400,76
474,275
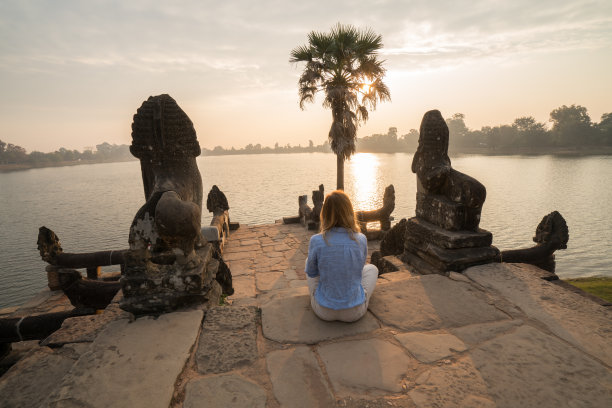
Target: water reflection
364,177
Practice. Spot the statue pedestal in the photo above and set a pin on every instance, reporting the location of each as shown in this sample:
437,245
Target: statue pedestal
432,249
152,288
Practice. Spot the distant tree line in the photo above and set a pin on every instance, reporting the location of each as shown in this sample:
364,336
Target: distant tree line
571,129
259,149
105,152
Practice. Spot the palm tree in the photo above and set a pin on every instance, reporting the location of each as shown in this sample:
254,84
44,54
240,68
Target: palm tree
343,64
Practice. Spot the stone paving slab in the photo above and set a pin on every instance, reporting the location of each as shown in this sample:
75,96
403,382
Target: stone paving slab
393,402
244,287
267,281
228,340
290,319
365,367
457,385
132,364
30,382
297,380
429,347
478,333
224,391
84,329
570,316
431,302
531,368
525,368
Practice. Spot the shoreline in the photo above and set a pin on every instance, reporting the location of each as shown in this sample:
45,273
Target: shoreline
7,168
561,152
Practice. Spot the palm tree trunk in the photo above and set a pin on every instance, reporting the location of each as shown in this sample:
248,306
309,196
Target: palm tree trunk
339,172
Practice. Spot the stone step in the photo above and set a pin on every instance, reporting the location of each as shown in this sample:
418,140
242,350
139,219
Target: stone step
132,363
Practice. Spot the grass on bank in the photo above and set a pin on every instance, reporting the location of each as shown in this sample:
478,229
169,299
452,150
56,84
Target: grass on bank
599,286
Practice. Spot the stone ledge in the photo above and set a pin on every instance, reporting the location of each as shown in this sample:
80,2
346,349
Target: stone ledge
419,230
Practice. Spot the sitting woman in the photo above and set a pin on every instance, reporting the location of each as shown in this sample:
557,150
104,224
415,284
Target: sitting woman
339,281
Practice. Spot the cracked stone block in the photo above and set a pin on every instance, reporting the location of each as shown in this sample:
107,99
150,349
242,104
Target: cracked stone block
132,363
524,368
572,317
432,302
31,380
228,340
228,391
289,319
430,347
365,367
297,379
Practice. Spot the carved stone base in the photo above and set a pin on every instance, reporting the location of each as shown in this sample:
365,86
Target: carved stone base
445,213
431,249
419,230
151,288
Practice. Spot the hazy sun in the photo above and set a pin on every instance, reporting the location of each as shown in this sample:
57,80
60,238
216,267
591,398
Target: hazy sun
365,85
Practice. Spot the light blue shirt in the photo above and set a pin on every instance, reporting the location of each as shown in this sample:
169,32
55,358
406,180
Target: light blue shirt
339,265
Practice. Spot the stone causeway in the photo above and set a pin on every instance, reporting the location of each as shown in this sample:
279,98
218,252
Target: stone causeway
495,335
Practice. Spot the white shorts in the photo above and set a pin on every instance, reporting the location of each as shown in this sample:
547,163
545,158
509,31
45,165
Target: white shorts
369,276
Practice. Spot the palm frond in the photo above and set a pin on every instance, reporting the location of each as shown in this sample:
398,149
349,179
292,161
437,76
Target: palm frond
301,54
362,113
338,63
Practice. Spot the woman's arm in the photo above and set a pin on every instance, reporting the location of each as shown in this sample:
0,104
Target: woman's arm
364,247
312,269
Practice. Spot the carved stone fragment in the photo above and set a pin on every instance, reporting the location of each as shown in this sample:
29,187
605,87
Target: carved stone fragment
551,234
382,215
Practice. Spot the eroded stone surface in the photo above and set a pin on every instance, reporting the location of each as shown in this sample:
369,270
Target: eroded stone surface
231,391
431,302
270,281
30,382
370,366
132,364
244,287
228,340
570,316
459,385
84,329
525,368
530,368
290,319
430,347
393,402
478,333
297,379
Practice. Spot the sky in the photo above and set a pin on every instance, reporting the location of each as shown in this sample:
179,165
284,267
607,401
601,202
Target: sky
73,73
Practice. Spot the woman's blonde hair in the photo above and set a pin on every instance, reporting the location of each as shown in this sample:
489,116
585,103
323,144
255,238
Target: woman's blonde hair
338,211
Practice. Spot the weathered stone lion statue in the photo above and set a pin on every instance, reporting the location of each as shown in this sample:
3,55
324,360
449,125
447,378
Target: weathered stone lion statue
445,197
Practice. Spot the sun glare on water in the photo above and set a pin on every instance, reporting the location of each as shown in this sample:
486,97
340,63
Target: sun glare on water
364,169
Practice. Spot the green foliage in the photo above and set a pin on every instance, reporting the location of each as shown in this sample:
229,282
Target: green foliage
259,149
12,154
599,286
571,122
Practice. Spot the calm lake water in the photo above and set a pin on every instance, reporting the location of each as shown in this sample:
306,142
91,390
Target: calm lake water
90,207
